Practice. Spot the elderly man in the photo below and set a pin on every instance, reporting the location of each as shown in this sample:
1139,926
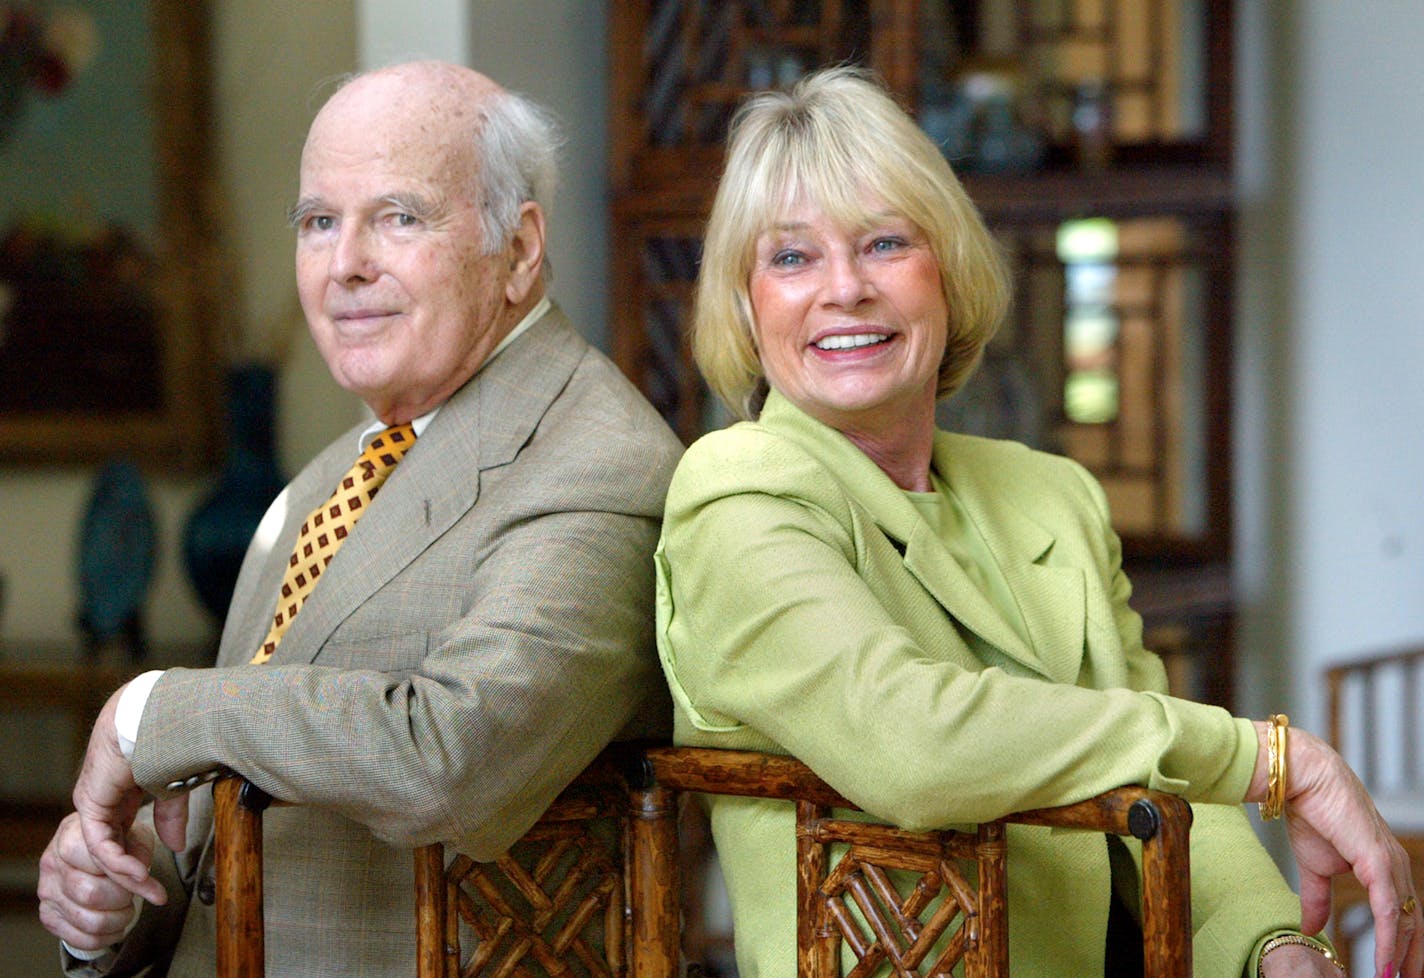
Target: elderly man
482,631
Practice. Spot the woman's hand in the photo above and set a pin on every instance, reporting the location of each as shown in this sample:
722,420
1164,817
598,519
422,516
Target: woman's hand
1334,828
1295,961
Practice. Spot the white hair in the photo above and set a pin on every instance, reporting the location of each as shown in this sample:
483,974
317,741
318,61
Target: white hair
517,146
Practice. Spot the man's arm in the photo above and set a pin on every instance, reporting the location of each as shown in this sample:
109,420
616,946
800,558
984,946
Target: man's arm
106,799
465,744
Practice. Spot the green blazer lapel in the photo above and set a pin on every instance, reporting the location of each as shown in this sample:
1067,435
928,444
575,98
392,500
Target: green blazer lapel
925,556
1052,599
483,425
939,573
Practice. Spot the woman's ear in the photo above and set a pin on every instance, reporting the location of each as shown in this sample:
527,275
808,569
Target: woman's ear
526,253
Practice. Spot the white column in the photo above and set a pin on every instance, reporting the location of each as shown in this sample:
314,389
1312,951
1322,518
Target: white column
402,30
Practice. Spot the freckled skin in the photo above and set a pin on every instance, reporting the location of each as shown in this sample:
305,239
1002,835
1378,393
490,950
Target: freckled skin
400,297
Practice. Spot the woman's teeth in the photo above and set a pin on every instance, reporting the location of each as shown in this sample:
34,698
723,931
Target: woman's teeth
850,341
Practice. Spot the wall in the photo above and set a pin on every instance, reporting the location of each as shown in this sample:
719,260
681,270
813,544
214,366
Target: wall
268,60
1330,349
273,65
1331,346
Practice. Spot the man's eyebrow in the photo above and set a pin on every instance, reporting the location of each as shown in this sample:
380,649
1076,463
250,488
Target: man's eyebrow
299,211
415,205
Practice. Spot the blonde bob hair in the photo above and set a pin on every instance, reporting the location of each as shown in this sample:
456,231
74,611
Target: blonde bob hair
839,141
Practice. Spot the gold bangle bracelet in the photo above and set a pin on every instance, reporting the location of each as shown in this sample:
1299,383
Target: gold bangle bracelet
1275,804
1309,942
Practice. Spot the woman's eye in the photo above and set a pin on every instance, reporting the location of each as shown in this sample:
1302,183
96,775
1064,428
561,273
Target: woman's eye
786,257
887,244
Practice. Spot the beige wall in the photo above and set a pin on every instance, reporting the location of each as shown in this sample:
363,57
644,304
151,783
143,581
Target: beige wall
269,60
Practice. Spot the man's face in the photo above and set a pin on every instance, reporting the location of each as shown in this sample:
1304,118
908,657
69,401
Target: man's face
402,301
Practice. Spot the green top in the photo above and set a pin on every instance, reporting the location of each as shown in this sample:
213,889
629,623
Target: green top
806,607
944,513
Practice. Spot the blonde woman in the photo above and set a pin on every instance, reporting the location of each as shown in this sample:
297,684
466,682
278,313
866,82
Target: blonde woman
938,624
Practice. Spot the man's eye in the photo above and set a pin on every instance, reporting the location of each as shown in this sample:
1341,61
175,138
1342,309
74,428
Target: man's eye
407,220
321,222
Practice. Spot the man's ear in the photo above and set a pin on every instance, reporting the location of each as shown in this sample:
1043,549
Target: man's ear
526,253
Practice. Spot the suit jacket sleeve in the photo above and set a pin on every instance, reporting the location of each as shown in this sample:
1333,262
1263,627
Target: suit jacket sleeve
456,700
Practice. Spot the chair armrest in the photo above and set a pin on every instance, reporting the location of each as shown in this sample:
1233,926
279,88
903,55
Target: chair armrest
1161,821
238,805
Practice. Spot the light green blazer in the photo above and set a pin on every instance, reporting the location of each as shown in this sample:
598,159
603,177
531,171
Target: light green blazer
805,607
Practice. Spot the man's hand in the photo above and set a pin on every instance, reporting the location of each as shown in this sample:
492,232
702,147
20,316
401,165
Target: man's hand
106,798
79,904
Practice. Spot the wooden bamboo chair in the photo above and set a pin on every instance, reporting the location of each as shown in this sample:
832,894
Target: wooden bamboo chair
846,895
558,903
1374,707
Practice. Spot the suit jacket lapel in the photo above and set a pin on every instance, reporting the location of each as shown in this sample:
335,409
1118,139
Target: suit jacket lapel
483,425
254,598
939,573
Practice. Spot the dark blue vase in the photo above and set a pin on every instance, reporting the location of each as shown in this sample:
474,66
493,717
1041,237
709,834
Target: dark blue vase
218,531
117,551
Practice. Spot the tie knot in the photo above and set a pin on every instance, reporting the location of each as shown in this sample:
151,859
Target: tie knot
388,448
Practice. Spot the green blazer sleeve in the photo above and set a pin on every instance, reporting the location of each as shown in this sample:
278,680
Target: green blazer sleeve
788,620
804,607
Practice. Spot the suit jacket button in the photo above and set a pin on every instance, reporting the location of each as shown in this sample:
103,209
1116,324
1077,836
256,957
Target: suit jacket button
175,786
207,891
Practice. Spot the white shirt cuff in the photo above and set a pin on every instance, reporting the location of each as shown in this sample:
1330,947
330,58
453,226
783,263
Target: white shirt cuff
79,954
130,709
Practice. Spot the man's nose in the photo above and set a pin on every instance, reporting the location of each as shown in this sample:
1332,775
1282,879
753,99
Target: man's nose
352,258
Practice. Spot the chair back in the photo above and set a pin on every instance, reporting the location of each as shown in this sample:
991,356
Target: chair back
595,887
845,894
557,903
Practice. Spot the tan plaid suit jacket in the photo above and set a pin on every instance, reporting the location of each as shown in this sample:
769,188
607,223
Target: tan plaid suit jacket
483,633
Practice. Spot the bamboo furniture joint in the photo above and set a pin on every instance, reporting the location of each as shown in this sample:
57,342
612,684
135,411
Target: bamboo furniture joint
594,887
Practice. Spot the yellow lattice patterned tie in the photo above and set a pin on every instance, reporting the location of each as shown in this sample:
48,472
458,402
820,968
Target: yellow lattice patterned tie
327,527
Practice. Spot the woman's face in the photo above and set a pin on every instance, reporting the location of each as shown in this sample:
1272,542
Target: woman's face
850,324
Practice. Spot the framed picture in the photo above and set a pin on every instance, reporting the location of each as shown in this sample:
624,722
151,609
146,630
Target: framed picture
109,319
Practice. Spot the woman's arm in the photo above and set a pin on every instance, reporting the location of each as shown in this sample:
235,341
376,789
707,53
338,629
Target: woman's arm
786,611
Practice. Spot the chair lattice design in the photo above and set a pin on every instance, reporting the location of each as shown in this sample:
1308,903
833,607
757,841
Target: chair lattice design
540,920
902,898
553,905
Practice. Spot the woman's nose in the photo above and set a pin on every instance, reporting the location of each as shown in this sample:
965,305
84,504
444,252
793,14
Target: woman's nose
846,281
